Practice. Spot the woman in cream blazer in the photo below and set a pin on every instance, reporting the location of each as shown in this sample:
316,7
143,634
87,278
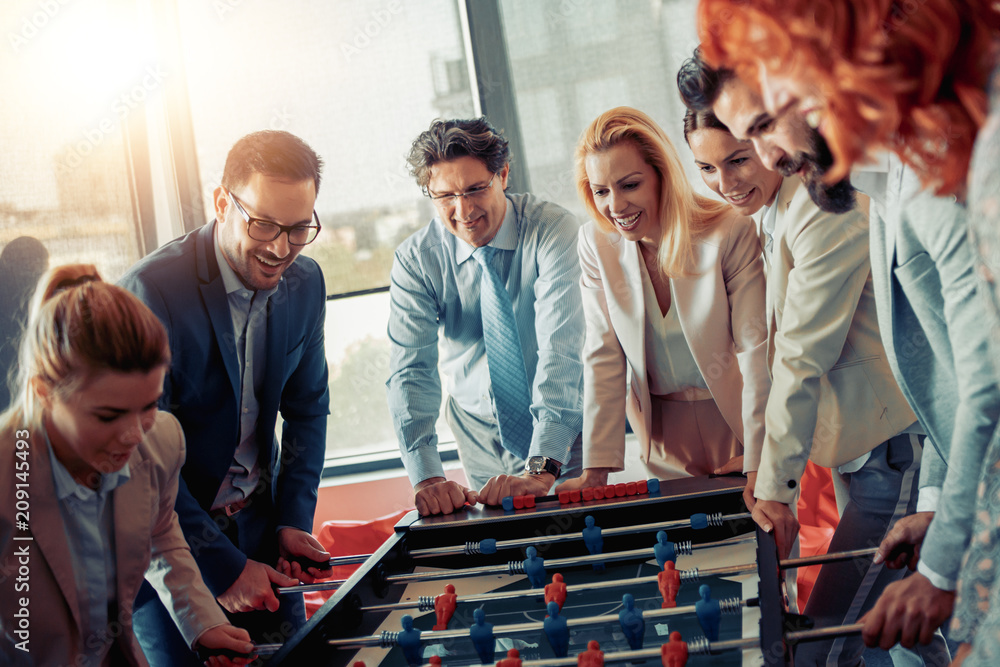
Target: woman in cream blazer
703,261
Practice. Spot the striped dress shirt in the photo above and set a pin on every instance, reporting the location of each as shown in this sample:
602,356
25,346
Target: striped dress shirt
435,329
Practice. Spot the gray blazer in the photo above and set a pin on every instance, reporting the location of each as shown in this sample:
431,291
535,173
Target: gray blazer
936,340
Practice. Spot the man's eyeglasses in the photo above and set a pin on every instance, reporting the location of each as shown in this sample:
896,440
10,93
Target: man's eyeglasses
452,199
265,230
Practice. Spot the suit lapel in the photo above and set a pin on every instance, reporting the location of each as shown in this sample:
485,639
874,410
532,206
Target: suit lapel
48,530
213,292
882,246
132,505
777,278
630,300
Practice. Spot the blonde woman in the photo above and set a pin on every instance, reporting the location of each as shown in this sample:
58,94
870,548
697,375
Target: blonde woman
673,293
88,479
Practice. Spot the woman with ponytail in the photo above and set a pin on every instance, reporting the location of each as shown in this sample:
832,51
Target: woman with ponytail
88,479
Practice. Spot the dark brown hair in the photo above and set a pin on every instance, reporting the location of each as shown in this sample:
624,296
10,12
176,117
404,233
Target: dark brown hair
272,153
449,139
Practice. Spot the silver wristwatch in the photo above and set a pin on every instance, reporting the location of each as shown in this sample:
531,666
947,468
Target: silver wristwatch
536,465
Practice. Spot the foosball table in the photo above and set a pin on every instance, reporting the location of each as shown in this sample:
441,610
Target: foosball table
538,583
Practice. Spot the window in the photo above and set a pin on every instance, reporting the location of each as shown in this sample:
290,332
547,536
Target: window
65,178
573,59
357,81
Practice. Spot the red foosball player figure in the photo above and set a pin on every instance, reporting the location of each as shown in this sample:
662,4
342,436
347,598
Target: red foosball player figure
513,659
444,607
556,591
592,657
669,583
435,661
675,652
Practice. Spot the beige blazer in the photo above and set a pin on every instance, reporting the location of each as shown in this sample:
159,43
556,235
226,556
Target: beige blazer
833,395
721,311
147,534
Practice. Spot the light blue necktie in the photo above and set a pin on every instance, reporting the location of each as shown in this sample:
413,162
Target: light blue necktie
503,354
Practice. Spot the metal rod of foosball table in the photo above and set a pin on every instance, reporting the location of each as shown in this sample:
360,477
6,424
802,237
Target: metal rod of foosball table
426,602
698,646
349,560
818,634
792,563
701,646
387,639
265,650
517,567
472,548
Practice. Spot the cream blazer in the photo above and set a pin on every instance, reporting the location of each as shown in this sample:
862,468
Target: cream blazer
147,534
721,312
833,395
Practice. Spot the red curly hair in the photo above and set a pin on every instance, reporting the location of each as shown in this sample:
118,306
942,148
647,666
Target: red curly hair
907,75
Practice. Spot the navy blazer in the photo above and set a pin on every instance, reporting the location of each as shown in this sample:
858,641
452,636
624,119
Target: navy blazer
182,284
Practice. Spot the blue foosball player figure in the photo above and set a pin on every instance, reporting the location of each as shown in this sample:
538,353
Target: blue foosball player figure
592,538
409,641
481,634
534,567
709,613
557,630
631,621
664,549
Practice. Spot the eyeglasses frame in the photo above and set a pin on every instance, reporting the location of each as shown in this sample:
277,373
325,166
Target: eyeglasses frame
282,229
452,199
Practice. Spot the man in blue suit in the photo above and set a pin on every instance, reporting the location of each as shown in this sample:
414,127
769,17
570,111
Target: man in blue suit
245,316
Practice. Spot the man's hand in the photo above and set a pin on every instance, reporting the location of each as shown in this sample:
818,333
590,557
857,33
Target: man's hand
902,545
252,589
436,495
294,542
591,477
515,485
908,611
771,515
230,637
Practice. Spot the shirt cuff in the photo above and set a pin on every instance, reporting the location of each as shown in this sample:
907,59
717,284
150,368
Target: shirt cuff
552,440
422,463
927,499
944,583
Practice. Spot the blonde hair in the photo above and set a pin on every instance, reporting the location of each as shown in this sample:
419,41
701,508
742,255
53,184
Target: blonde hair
79,325
684,214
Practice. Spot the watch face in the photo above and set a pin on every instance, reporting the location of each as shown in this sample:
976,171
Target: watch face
535,464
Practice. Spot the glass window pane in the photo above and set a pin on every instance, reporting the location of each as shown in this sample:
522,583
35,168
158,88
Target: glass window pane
65,193
571,61
358,356
64,176
357,81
